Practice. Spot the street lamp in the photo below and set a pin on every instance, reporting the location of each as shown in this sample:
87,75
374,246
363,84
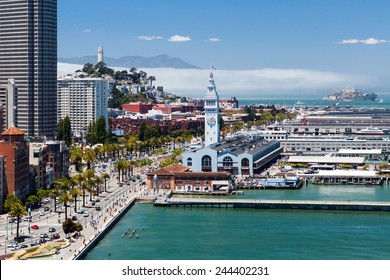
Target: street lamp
59,217
29,216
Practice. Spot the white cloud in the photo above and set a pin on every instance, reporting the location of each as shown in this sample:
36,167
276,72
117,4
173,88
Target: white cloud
87,30
178,38
149,38
214,40
369,41
243,83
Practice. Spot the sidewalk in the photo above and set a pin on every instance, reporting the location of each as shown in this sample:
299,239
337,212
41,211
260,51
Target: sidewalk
112,202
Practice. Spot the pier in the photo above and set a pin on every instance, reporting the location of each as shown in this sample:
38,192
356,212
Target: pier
275,204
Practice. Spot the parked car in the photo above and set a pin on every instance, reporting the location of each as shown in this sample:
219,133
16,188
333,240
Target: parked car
15,247
52,229
85,214
56,236
42,214
26,219
34,227
34,243
47,208
23,246
74,218
44,235
13,220
98,208
42,240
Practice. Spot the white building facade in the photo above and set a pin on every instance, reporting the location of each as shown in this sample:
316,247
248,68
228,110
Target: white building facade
83,100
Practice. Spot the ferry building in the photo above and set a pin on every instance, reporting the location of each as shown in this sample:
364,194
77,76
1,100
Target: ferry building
239,155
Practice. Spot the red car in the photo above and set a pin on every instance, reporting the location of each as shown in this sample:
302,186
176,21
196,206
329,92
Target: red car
35,227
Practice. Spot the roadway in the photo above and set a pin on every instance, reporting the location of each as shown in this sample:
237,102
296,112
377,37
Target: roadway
111,202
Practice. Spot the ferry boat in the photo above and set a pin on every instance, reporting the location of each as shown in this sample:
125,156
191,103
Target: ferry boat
371,131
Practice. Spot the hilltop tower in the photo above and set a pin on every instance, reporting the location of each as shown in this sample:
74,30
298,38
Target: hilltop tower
211,114
100,54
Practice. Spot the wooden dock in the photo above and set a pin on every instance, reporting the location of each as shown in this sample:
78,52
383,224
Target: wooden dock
275,204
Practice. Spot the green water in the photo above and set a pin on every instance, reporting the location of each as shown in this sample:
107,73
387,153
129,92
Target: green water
217,234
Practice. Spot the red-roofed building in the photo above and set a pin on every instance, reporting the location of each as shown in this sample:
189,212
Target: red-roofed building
14,148
138,107
180,179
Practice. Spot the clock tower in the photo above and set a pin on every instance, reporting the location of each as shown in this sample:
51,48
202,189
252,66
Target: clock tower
211,113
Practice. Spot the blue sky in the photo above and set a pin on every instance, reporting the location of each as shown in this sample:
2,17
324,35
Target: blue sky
344,37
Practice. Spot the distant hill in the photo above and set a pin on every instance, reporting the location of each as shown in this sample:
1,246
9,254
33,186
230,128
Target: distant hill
160,61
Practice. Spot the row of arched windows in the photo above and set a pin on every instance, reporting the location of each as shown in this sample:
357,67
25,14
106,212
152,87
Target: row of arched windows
227,161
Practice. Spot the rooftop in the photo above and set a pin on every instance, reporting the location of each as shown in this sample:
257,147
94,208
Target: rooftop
13,130
242,144
326,159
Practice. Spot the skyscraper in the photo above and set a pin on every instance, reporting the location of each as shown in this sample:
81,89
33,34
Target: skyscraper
28,55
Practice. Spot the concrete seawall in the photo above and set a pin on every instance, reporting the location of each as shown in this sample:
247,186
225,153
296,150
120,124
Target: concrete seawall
277,204
100,234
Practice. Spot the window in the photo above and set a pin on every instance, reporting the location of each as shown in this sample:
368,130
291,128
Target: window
245,162
206,164
227,161
189,162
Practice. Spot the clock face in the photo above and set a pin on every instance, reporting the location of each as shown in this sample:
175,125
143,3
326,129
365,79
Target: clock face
211,120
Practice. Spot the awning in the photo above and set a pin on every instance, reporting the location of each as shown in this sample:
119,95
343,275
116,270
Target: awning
221,183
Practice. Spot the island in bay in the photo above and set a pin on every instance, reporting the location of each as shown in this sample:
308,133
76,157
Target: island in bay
351,94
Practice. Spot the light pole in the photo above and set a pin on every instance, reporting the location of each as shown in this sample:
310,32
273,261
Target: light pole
59,217
29,216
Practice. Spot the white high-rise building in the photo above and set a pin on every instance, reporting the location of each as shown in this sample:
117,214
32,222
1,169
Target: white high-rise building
211,114
83,100
100,54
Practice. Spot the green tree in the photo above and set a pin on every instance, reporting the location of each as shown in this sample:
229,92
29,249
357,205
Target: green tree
15,208
141,131
101,130
88,68
105,177
91,135
64,130
89,157
68,226
76,156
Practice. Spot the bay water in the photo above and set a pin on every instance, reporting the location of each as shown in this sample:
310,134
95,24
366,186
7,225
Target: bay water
255,234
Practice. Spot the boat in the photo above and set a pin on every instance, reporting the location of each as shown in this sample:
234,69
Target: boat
371,131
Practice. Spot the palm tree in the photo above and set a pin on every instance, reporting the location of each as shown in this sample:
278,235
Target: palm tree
15,208
82,183
98,181
41,194
76,189
151,79
120,165
89,176
66,198
76,156
89,157
105,176
55,192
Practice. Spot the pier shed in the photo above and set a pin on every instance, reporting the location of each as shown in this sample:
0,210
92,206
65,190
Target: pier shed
353,177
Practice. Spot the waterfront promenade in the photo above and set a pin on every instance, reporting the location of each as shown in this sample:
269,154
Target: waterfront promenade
113,203
275,204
